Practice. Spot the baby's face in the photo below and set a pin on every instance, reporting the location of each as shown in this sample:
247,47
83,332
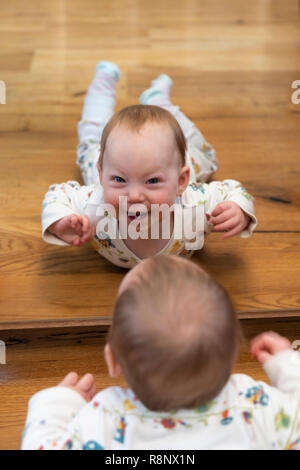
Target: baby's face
144,166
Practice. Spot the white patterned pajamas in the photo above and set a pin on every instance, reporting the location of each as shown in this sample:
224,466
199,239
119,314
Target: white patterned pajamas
246,415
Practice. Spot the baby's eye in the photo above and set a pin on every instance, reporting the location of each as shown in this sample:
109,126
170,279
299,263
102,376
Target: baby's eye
118,179
152,180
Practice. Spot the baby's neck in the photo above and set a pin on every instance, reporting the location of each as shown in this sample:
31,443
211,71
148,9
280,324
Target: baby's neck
145,248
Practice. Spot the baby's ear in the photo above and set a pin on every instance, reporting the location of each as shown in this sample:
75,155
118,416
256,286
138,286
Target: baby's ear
114,368
183,180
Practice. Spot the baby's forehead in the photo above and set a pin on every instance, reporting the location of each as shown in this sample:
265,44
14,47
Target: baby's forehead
153,143
152,130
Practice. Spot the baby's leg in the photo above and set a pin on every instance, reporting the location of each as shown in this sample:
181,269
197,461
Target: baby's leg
200,157
99,105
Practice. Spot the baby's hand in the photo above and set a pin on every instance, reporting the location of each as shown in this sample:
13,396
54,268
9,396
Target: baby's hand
86,386
264,346
229,217
74,229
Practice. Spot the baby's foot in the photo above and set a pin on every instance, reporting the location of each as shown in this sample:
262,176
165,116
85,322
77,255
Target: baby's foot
86,386
159,91
108,68
107,74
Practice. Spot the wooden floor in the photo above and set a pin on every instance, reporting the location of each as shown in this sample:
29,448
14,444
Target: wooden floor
232,67
40,358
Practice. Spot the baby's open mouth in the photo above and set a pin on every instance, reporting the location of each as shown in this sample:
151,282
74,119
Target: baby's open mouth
137,215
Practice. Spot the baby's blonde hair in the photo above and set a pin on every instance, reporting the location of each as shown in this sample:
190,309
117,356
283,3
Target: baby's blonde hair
175,334
135,117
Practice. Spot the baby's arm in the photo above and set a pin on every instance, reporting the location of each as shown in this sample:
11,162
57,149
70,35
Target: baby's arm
230,208
50,422
280,413
63,221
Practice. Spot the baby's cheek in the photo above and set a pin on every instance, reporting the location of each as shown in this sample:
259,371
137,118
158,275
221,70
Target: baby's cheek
163,197
111,197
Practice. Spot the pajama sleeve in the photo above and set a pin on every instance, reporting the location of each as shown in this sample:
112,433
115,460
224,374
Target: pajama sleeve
283,405
50,413
270,414
283,370
60,201
60,419
228,190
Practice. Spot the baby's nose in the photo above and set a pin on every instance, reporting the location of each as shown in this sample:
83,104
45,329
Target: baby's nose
135,195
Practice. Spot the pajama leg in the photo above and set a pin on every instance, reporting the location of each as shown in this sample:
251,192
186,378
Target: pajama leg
99,105
200,157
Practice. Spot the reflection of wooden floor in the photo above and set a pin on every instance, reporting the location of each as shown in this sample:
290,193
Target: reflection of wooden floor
232,70
232,75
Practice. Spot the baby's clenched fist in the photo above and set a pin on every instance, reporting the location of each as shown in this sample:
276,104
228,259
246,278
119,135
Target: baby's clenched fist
267,344
230,218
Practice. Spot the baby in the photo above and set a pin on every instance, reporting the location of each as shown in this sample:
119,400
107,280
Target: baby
145,192
175,338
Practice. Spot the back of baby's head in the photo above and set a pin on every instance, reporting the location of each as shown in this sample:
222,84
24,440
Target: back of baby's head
135,117
175,334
